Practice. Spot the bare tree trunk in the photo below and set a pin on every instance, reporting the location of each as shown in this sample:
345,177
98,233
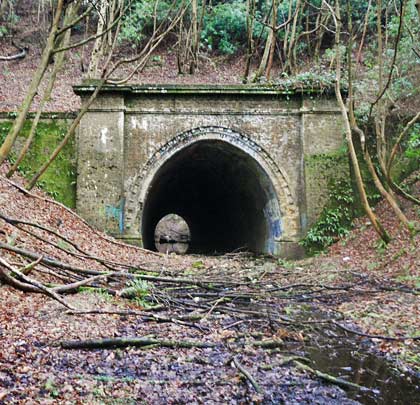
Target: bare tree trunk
3,6
250,18
98,46
362,41
389,197
194,36
380,116
292,41
286,32
268,44
264,59
273,40
359,180
58,63
33,88
180,50
66,138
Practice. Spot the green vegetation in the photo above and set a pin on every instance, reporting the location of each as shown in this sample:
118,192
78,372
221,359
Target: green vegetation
138,23
101,292
52,388
60,179
335,220
225,27
413,145
138,290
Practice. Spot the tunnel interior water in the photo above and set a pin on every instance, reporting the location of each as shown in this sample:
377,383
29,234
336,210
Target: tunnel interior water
220,191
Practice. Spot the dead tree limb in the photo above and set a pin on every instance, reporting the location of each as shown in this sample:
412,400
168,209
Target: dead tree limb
30,281
13,282
114,343
328,377
247,375
380,337
78,217
20,55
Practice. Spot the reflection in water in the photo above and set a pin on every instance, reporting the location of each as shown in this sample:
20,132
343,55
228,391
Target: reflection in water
172,235
352,362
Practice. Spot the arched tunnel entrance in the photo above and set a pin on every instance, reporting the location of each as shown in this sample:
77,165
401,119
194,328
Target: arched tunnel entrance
222,192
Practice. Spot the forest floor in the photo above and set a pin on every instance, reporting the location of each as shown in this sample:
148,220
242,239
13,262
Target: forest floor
15,76
349,313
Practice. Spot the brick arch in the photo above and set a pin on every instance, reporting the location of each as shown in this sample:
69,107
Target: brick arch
283,210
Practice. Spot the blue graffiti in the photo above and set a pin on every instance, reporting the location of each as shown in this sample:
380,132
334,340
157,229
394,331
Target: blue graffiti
276,230
116,213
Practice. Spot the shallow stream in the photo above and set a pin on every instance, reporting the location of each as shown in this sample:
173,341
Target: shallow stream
354,360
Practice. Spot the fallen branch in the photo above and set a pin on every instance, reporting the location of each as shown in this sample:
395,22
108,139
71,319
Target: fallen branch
47,291
328,377
20,55
143,317
49,261
269,344
115,312
283,362
381,337
28,268
114,343
74,286
247,375
101,235
13,282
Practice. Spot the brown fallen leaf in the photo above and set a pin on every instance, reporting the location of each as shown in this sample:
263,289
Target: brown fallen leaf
3,394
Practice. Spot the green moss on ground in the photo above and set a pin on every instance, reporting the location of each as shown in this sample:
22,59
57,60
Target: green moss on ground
60,179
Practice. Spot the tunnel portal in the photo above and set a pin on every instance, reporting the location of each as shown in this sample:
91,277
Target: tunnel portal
220,191
245,166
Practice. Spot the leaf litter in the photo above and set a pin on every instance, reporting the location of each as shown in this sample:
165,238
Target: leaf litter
265,313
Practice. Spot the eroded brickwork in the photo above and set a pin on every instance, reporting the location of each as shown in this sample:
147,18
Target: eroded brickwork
130,132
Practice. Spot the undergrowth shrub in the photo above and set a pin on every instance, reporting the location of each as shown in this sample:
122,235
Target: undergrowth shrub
138,22
413,145
224,27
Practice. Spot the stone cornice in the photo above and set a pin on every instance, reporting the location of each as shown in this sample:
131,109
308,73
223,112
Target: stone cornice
200,89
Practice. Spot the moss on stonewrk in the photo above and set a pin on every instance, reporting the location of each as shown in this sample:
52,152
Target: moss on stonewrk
336,216
60,179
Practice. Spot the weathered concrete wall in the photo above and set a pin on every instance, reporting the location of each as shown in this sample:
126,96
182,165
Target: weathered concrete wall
129,133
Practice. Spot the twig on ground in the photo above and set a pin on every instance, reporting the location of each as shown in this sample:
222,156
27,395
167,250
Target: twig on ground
381,337
247,374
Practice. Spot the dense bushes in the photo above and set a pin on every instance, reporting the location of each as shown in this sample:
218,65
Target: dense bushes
138,23
225,27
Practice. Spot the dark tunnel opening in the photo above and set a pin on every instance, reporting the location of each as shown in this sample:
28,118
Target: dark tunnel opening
221,192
